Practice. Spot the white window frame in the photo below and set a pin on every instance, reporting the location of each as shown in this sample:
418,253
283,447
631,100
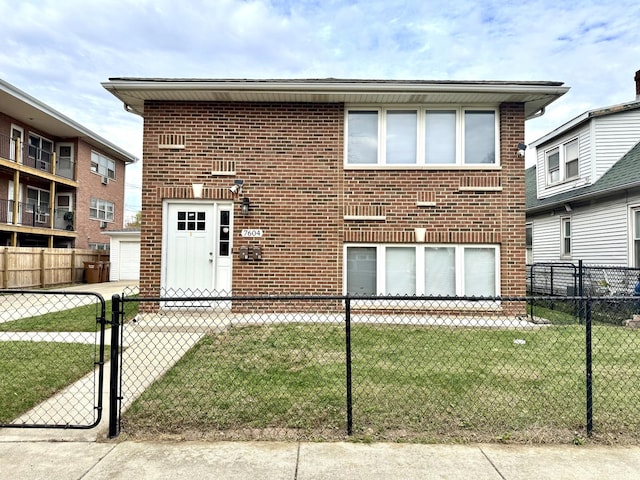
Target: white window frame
562,169
42,214
100,165
420,162
39,162
564,252
529,247
567,160
381,288
101,206
634,254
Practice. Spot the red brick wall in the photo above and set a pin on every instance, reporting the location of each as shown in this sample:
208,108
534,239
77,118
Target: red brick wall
89,184
291,159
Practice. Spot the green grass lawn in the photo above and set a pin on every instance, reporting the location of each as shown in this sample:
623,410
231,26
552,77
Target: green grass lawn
409,383
31,372
78,319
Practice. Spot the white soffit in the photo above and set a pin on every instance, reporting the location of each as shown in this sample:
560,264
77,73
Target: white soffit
535,95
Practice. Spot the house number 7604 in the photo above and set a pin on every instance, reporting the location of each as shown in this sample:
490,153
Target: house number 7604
251,232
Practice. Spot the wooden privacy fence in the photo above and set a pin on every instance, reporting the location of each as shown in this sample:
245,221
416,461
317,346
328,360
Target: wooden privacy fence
24,267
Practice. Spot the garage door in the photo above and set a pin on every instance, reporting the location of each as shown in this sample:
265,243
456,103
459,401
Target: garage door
129,261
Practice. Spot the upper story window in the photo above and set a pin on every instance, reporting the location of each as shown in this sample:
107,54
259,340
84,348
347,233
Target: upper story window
562,162
103,166
40,150
421,136
101,210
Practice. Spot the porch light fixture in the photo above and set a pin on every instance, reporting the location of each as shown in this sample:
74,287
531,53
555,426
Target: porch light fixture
244,208
197,189
521,148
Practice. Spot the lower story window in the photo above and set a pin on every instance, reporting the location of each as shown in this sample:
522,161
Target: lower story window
431,270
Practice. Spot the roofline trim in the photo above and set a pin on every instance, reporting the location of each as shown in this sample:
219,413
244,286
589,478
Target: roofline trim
337,86
584,117
47,110
586,196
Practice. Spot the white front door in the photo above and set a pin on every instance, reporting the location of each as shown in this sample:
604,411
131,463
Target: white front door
197,256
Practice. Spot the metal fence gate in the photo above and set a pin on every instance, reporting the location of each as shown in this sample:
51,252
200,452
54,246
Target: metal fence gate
52,355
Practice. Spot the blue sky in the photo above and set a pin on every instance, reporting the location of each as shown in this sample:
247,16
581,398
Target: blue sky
59,51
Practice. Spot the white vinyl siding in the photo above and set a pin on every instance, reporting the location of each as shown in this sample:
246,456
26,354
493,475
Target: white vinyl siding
546,239
600,234
614,136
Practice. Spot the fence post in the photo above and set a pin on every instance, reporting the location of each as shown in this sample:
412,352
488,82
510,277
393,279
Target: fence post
589,367
114,411
580,305
347,312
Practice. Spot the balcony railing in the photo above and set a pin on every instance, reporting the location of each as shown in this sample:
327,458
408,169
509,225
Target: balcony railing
34,215
17,151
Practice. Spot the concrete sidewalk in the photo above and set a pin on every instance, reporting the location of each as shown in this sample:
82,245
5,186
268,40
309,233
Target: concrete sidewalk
306,461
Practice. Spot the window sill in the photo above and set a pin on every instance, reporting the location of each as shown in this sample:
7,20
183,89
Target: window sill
480,189
371,218
423,167
574,180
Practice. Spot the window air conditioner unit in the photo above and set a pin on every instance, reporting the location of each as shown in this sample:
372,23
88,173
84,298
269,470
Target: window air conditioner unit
105,180
103,225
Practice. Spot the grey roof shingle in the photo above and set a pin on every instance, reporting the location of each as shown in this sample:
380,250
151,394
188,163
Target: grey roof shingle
624,174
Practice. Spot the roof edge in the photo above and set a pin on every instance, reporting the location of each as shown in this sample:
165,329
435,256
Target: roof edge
56,115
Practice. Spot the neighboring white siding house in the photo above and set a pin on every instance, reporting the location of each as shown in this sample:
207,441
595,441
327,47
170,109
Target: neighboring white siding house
583,195
124,255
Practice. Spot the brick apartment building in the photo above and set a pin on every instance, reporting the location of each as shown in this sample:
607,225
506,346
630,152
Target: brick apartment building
333,186
61,185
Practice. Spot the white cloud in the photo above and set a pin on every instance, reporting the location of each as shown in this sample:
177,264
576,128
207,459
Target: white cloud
61,50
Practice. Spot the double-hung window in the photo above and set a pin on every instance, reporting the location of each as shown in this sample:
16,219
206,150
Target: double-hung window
635,237
421,136
38,204
101,210
529,242
431,270
103,166
565,237
562,162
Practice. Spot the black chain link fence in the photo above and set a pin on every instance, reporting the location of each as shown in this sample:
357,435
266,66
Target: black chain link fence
382,368
51,359
569,279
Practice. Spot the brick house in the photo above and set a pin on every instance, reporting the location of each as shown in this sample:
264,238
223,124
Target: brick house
333,186
61,185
